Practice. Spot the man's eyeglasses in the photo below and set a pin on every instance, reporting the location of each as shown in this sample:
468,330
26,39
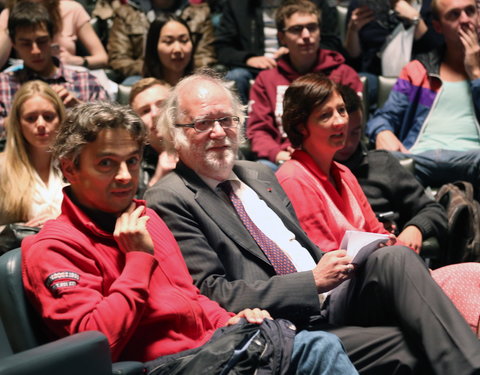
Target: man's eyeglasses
298,29
207,124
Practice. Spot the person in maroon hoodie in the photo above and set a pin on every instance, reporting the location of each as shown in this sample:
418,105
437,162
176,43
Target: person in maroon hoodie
298,27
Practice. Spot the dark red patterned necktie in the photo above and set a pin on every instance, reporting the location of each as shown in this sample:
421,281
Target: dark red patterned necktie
279,260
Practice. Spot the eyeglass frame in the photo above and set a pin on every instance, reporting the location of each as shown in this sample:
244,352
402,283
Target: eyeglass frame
235,121
307,26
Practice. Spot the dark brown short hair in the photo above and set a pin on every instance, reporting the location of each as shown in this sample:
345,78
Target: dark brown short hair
352,100
290,7
86,120
301,98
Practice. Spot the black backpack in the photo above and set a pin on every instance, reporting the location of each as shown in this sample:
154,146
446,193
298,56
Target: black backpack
240,349
463,213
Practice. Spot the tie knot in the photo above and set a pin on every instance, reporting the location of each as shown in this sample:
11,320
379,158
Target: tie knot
226,186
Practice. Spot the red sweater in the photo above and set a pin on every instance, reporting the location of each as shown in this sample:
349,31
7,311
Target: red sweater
146,305
264,128
324,212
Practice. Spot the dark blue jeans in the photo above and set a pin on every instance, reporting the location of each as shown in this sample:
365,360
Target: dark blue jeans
438,167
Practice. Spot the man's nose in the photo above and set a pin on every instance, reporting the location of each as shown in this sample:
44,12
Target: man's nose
217,131
305,33
35,48
123,173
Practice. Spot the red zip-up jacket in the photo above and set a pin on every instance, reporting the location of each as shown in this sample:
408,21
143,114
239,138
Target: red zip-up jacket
147,306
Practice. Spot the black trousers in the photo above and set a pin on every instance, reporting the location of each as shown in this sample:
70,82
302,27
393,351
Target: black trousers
397,320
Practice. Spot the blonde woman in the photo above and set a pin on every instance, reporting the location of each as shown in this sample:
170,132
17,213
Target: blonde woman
30,185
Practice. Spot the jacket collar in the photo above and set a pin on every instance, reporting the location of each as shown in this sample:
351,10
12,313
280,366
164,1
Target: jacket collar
100,224
432,60
224,214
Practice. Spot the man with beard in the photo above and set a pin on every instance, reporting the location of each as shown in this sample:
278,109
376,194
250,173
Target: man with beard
244,246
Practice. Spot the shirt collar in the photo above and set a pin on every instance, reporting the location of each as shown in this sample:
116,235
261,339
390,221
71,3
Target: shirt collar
213,184
27,74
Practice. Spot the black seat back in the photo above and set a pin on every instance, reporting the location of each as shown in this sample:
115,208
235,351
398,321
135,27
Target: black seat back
22,324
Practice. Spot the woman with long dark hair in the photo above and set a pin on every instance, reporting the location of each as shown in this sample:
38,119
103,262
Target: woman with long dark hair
169,49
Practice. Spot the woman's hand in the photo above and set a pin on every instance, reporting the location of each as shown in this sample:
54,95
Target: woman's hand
405,10
360,17
39,220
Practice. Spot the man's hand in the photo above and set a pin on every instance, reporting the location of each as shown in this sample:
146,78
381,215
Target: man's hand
131,231
255,316
332,270
360,17
68,99
386,140
261,62
469,38
412,237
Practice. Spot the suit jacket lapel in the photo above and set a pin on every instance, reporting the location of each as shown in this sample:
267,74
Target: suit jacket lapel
220,212
264,187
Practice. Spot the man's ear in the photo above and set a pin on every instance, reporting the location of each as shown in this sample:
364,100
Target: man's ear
281,38
69,170
302,129
436,26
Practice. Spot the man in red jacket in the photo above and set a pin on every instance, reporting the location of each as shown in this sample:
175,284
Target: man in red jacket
298,28
110,264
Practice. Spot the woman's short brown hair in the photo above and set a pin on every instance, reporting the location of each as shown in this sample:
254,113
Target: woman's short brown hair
301,98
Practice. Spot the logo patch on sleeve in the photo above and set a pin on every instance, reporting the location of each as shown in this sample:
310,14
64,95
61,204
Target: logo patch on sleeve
62,279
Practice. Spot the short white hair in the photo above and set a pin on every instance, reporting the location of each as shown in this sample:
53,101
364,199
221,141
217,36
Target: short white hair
174,137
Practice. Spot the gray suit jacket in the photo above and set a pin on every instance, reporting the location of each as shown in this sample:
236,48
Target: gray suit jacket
225,262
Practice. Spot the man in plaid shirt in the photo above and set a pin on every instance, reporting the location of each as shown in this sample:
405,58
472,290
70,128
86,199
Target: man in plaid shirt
31,31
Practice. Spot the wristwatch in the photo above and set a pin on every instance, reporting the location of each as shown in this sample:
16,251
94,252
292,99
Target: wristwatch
85,63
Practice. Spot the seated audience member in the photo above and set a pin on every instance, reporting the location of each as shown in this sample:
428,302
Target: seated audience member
30,182
169,49
246,39
368,29
432,93
31,29
70,22
82,270
244,246
388,186
146,99
298,29
325,195
126,40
